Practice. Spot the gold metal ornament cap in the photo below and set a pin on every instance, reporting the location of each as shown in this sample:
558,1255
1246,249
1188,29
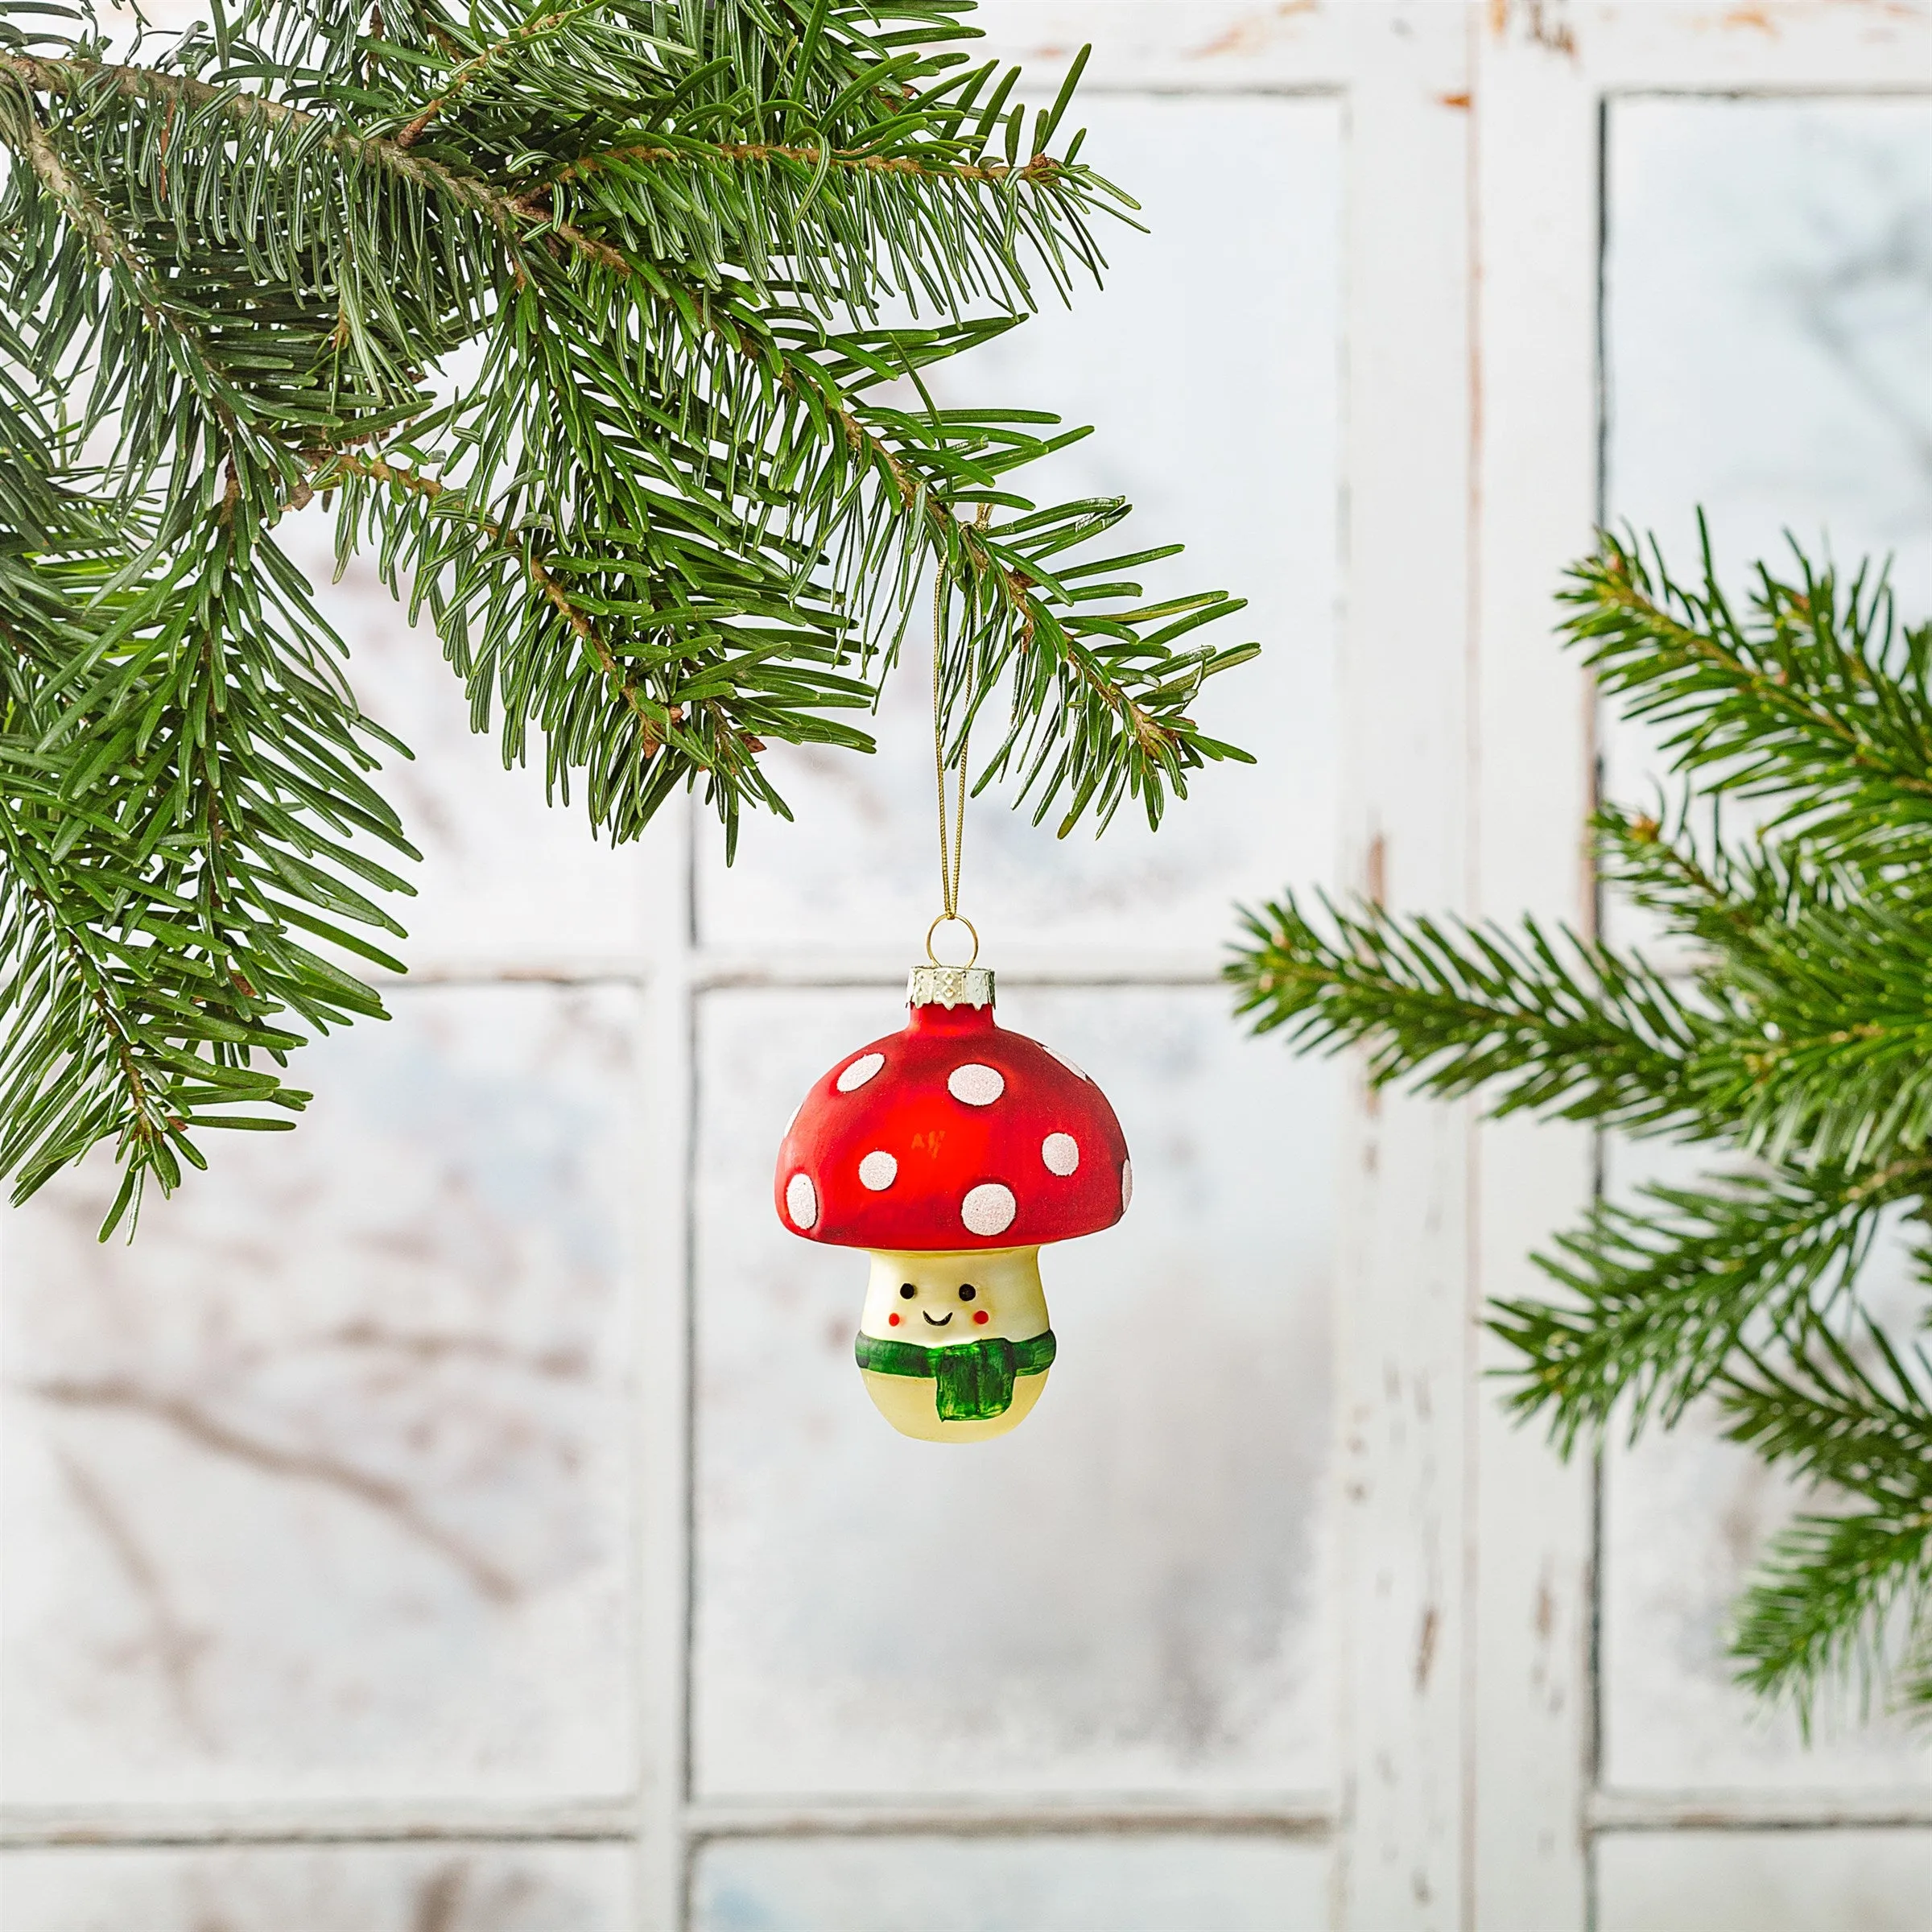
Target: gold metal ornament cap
950,986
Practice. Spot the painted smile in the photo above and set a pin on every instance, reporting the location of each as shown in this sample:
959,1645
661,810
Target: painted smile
939,1321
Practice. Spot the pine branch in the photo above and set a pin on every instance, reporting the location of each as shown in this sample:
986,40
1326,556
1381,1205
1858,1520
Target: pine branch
1830,1602
473,70
1738,902
1799,1032
1851,1593
94,83
162,847
675,518
1660,1295
1825,962
1117,702
1841,1072
1859,1418
1549,1022
670,716
1816,696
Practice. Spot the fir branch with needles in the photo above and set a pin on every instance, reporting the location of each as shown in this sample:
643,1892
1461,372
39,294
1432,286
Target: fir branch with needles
574,320
1795,1044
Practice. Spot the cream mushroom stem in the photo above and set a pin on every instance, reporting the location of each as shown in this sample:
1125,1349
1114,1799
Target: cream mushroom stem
956,1300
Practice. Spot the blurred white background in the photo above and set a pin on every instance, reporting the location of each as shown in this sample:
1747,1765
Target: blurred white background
463,1515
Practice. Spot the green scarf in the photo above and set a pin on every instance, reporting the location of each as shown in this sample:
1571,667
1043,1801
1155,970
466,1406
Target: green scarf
975,1378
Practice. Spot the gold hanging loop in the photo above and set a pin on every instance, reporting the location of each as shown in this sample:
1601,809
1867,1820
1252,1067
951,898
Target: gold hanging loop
952,919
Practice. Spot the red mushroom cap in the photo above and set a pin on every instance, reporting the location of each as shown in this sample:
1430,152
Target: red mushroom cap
952,1134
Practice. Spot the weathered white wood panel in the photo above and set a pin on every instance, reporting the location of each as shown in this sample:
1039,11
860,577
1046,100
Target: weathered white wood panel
1535,251
1402,1309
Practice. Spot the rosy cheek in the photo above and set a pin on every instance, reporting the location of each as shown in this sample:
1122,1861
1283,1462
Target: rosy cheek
893,1320
979,1314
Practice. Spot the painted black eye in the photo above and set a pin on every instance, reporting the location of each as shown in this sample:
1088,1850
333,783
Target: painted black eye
967,1292
907,1291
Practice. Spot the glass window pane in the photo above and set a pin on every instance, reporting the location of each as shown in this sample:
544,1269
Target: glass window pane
506,883
1209,364
1769,326
1687,1517
1142,1883
1765,1881
1125,1593
319,1889
320,1486
1767,342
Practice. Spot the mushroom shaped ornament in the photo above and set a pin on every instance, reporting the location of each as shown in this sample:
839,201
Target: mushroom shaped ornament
952,1151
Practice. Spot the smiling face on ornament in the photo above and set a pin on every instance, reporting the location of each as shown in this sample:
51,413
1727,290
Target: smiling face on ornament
940,1300
941,1304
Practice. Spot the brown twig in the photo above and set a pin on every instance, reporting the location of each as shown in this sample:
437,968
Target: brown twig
177,1647
147,1123
1041,167
470,69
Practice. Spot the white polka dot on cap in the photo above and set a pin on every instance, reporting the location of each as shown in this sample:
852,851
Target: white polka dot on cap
1126,1186
976,1085
878,1171
989,1208
1061,1152
802,1201
860,1072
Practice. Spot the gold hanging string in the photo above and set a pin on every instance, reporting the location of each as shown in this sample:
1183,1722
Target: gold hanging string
952,826
952,834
